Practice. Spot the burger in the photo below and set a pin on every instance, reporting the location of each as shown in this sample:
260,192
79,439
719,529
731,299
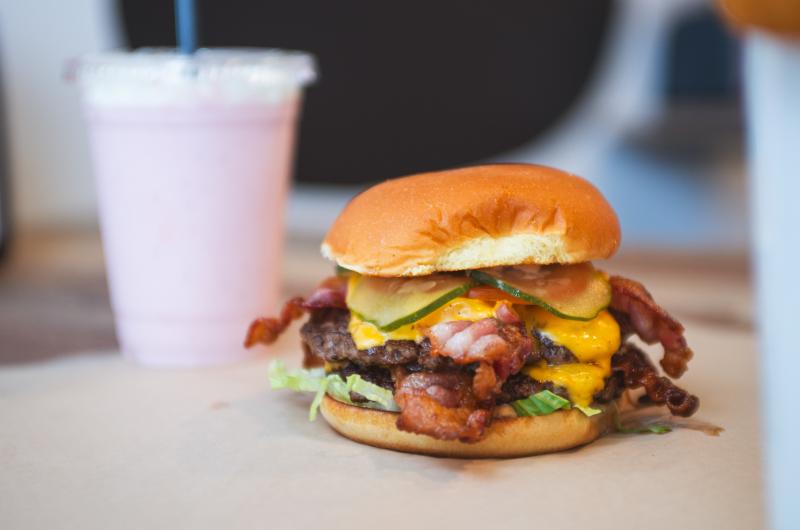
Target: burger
466,318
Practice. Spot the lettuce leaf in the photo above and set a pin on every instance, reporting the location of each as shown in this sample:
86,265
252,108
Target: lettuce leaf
297,380
315,380
374,393
644,428
312,411
540,404
656,428
588,411
546,402
641,428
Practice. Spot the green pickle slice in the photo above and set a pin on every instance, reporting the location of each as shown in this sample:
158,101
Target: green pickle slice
390,303
575,292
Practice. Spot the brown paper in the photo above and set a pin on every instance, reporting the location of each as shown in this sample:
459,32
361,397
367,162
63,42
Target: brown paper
96,442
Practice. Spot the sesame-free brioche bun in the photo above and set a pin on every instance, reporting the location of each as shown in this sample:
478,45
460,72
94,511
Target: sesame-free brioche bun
482,216
505,438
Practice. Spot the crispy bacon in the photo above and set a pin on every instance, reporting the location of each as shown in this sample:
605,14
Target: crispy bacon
500,349
486,383
520,349
468,342
506,314
459,405
651,322
330,293
440,404
637,371
267,330
443,332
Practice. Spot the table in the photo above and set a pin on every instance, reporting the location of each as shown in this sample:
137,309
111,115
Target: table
88,440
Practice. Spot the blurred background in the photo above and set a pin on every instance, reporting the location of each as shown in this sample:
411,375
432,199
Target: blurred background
642,97
639,96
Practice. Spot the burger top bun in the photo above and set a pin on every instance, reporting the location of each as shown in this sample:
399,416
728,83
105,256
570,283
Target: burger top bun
470,218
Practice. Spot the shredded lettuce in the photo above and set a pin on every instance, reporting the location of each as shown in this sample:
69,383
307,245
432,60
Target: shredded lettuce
296,380
374,393
589,411
315,380
655,428
642,428
312,411
546,402
540,404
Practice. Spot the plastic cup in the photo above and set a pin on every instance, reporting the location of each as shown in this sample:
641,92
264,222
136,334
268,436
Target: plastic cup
192,157
772,82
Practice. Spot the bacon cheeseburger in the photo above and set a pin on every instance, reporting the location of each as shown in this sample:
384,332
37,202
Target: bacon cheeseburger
466,318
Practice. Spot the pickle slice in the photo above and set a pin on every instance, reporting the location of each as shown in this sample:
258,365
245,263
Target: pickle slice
390,303
576,292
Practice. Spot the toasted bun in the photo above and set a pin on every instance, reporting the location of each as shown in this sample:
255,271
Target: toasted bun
483,216
505,438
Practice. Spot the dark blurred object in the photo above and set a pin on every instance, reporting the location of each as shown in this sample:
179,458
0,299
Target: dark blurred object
409,86
702,59
703,120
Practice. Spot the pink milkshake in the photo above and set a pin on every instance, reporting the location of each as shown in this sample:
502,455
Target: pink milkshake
192,160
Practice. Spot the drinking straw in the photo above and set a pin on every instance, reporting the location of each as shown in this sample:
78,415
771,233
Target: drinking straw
185,27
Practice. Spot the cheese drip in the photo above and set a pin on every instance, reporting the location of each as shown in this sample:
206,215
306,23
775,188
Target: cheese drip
593,342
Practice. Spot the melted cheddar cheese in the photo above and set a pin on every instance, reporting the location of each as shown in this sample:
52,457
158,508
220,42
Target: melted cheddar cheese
582,380
367,335
590,341
593,342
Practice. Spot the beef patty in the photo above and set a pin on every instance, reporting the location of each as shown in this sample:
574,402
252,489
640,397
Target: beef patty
326,336
518,386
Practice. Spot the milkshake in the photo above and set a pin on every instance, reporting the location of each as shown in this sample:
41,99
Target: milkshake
192,159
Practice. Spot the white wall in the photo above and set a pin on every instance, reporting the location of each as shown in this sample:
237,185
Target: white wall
50,174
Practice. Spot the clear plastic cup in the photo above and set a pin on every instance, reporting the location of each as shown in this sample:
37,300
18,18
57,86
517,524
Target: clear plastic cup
192,158
772,83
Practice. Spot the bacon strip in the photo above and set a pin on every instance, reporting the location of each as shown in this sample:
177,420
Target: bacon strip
637,371
506,314
481,341
459,405
652,323
330,293
500,349
267,330
439,404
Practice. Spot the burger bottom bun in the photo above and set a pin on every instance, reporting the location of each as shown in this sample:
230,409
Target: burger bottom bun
505,438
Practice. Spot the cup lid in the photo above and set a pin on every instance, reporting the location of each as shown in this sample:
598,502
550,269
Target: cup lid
146,72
